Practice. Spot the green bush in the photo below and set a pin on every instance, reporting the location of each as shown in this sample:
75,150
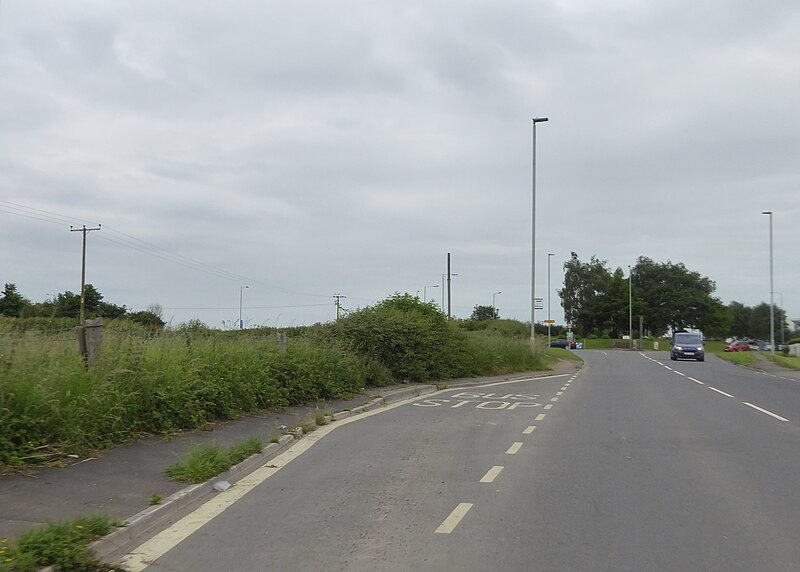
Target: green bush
145,381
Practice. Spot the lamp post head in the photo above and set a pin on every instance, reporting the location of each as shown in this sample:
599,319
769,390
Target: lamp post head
766,212
540,119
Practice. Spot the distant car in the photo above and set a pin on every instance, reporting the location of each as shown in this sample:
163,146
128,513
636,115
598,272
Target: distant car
563,344
754,346
739,346
686,345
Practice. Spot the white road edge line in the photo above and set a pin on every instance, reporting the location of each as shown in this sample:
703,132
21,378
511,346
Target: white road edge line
452,521
720,391
514,449
770,413
491,474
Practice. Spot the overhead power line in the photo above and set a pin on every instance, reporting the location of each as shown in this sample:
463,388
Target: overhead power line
133,243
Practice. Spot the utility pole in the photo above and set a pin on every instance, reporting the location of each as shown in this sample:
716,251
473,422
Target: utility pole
83,230
338,304
81,323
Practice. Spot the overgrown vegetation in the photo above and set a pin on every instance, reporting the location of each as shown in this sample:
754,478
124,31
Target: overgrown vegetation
61,545
147,381
207,460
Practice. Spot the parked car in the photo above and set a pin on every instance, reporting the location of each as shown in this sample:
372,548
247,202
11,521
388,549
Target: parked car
687,345
563,344
738,346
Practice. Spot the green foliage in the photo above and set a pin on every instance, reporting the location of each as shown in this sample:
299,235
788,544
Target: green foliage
61,545
409,337
484,313
11,301
147,381
205,461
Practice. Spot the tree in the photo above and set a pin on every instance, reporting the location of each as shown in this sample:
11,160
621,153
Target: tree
584,285
675,298
484,313
68,305
147,318
11,301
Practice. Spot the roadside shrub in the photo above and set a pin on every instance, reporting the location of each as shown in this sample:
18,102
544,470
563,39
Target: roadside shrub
402,333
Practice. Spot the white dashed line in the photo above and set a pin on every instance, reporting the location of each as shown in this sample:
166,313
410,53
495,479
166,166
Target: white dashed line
696,380
548,406
452,521
529,429
554,399
720,391
560,392
514,449
540,416
770,413
491,474
679,373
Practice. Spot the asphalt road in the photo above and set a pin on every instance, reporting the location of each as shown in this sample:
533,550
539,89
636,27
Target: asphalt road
637,463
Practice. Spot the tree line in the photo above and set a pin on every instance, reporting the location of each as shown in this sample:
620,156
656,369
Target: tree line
667,296
67,305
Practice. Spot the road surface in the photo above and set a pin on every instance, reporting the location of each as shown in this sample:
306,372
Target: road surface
635,463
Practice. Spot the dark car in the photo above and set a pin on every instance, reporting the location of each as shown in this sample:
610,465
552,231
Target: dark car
686,345
563,344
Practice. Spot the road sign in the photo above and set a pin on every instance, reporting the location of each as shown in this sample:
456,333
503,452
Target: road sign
538,303
549,321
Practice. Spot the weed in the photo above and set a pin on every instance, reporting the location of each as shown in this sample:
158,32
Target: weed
208,460
154,499
61,545
321,417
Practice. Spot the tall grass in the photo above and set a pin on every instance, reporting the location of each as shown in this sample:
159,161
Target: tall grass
52,404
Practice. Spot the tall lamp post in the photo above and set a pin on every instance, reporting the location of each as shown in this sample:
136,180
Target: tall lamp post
549,255
425,291
630,306
494,307
771,291
535,120
241,289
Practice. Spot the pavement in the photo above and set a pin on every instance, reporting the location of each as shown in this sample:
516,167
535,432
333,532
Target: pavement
770,368
120,482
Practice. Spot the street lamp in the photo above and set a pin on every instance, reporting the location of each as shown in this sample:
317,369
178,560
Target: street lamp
533,232
494,308
630,306
549,255
425,291
771,291
241,289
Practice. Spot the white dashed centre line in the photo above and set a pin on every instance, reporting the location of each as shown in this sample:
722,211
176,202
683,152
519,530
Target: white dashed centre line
720,391
679,373
696,380
554,399
514,449
559,392
770,413
491,474
452,521
540,416
548,406
529,429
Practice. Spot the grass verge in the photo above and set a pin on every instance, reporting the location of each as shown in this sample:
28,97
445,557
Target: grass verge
789,362
65,546
205,461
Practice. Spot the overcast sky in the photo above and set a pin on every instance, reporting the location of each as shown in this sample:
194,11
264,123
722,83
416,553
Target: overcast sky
311,148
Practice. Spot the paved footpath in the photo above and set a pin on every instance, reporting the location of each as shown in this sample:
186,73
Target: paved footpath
119,482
